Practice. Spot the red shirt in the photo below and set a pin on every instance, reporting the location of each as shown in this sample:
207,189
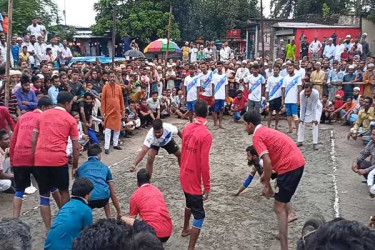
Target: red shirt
240,103
284,154
54,127
149,203
21,153
195,157
6,119
339,102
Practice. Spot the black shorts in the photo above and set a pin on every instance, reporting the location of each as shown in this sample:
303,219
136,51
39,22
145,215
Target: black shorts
98,203
195,204
171,147
49,177
287,184
22,177
275,104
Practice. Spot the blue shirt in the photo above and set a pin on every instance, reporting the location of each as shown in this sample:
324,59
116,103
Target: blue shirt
52,93
72,218
15,51
30,97
336,76
99,174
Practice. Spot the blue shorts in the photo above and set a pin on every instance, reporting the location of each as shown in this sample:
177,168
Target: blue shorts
190,105
291,109
219,105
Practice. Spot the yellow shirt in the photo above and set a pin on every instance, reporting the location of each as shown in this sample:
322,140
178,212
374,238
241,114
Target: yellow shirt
185,52
364,119
317,77
24,57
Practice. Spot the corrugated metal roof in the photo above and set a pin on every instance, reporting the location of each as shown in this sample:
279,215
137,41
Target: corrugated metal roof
309,25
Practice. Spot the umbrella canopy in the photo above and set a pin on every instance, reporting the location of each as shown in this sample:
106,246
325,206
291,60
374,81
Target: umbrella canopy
160,45
134,54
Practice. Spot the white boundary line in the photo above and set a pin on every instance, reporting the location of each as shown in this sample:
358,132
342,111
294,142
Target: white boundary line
336,204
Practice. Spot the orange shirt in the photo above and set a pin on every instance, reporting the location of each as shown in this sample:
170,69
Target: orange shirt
348,107
54,127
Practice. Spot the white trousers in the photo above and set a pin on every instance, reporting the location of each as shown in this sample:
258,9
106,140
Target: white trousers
301,132
5,184
107,138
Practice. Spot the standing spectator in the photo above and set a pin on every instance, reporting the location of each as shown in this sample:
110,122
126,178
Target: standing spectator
339,50
5,23
317,78
315,46
40,50
369,88
35,29
112,109
225,52
66,54
201,55
193,53
185,52
365,47
241,74
54,127
195,170
280,50
304,48
208,52
329,51
149,203
348,80
170,75
6,120
15,48
24,55
26,98
214,51
53,91
291,50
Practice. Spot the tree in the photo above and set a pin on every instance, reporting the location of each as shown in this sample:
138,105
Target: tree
146,20
63,31
25,10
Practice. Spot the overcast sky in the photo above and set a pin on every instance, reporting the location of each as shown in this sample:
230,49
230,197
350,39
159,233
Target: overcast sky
81,12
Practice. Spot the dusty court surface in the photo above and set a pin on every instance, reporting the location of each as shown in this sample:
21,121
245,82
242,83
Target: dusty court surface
244,222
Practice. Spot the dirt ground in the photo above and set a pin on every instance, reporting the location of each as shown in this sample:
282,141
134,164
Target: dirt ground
247,221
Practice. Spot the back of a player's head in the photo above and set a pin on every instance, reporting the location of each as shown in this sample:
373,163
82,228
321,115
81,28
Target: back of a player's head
143,177
44,102
157,124
82,187
342,234
64,97
252,150
115,234
14,234
201,108
94,150
253,117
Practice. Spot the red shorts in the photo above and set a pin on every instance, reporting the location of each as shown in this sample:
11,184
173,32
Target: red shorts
208,99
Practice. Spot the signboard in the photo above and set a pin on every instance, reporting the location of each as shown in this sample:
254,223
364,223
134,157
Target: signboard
234,33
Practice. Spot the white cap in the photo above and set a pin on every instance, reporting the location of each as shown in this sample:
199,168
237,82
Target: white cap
348,36
168,66
356,89
11,72
281,40
122,66
147,68
17,72
238,62
318,63
265,64
55,72
173,64
257,59
244,61
41,76
351,67
370,65
158,67
364,34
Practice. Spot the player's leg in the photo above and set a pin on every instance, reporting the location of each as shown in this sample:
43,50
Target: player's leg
187,214
22,181
315,134
289,117
56,196
150,160
292,215
277,120
282,217
269,118
199,215
60,180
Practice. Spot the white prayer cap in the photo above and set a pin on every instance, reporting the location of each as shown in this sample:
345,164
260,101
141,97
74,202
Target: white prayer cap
168,66
288,62
351,67
284,64
17,72
318,63
364,34
41,76
348,36
370,65
238,62
122,66
158,67
174,65
55,72
11,72
147,68
356,89
258,59
265,64
244,61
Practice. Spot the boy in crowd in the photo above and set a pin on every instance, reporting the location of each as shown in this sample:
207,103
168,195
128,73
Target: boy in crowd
153,104
72,218
6,177
101,177
145,114
239,106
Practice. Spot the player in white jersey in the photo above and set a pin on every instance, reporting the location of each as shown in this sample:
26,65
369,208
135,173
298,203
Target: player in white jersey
191,85
274,95
220,87
206,77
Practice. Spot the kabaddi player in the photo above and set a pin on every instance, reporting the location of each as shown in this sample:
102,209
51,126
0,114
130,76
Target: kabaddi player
195,170
281,154
159,136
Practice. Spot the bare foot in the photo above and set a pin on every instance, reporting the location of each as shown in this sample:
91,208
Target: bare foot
185,233
292,217
221,126
216,127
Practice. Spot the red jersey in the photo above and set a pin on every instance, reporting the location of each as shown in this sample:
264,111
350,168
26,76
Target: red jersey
339,102
195,157
149,203
21,153
54,127
240,103
284,154
6,119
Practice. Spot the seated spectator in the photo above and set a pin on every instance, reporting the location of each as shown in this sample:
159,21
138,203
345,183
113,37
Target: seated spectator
148,202
14,234
239,105
361,166
25,97
165,108
24,55
6,176
82,137
145,114
101,177
328,108
359,76
53,91
85,107
179,105
36,83
116,234
72,218
365,117
133,115
153,104
353,114
142,94
344,109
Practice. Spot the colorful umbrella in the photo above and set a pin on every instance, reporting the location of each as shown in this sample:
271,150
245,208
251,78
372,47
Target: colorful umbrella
160,45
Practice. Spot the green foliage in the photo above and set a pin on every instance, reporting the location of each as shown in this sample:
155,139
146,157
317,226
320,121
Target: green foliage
325,10
144,19
64,32
301,8
25,10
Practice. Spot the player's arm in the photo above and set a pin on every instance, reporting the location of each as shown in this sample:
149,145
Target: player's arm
205,165
114,198
247,182
266,177
34,139
139,157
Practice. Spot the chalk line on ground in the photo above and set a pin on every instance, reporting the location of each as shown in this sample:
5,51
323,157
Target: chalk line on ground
336,203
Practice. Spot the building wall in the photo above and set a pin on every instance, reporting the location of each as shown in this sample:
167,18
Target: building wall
369,28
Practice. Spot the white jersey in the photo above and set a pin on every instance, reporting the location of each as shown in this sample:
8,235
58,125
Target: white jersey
310,107
255,86
192,84
168,132
272,82
220,81
291,84
206,84
300,72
